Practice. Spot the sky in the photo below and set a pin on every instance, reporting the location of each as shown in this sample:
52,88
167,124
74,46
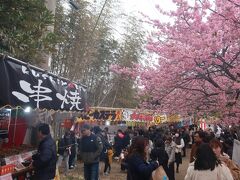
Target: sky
147,7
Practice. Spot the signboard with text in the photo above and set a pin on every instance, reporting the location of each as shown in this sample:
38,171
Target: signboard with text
25,85
99,114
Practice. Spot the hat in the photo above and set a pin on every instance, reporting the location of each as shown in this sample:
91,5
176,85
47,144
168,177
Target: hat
85,126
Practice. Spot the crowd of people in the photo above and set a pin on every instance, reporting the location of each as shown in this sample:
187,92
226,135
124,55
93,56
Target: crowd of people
140,152
210,156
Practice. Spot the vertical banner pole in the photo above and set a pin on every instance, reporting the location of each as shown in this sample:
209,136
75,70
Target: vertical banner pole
15,125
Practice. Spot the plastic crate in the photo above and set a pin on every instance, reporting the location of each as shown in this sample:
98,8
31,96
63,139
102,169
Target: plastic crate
6,169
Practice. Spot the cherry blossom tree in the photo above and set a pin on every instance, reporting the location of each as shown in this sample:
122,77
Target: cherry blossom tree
198,66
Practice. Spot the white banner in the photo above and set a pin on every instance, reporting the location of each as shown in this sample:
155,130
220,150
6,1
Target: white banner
236,152
127,114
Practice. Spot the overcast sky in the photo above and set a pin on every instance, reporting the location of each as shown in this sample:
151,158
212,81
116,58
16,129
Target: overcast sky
146,6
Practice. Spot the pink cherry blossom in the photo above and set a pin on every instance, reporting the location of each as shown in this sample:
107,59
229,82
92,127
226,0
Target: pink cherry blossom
198,67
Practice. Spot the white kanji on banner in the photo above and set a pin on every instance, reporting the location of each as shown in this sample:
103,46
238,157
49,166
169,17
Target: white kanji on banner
38,93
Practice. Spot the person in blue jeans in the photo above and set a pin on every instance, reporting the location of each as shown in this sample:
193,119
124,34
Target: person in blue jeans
91,171
90,148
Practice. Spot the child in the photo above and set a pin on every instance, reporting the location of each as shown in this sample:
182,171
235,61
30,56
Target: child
108,160
122,159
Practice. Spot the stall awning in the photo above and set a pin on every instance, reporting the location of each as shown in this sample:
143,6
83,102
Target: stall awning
25,85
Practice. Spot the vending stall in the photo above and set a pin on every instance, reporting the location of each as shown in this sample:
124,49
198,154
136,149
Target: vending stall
29,96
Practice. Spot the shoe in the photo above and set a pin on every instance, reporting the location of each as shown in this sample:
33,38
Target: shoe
177,171
71,167
105,174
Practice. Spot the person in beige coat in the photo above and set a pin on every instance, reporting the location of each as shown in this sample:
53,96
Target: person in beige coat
207,166
216,146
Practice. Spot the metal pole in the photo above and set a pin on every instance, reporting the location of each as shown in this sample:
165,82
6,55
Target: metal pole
15,124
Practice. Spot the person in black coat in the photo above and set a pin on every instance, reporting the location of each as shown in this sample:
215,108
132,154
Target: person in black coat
138,168
99,133
44,162
73,150
159,153
119,143
64,149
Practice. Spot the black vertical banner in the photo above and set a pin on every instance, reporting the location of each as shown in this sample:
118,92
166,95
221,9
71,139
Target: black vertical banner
25,85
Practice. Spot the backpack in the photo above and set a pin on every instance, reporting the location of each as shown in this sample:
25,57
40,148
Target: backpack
105,144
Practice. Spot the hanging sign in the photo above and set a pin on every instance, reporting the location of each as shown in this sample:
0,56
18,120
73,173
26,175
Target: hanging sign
174,118
126,115
202,124
158,119
141,117
25,85
111,115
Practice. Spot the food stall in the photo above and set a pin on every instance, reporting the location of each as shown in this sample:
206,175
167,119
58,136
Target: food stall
29,96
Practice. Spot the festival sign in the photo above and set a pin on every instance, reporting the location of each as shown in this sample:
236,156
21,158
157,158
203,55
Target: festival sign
26,85
141,116
101,114
126,115
174,118
158,119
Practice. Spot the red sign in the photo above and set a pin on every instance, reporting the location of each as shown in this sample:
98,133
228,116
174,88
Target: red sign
141,117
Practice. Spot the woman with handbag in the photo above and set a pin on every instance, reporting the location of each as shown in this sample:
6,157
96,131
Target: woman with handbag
138,168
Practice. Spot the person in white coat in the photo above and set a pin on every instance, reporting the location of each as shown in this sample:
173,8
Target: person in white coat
178,150
207,166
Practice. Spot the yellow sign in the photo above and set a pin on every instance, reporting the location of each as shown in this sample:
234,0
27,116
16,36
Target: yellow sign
160,119
157,119
174,118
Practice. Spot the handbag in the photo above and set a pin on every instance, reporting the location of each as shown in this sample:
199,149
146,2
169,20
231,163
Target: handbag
159,174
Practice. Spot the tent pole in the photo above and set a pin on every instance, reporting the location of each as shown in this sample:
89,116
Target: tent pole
15,124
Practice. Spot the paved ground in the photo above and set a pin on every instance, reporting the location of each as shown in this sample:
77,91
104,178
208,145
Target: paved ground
183,167
116,173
